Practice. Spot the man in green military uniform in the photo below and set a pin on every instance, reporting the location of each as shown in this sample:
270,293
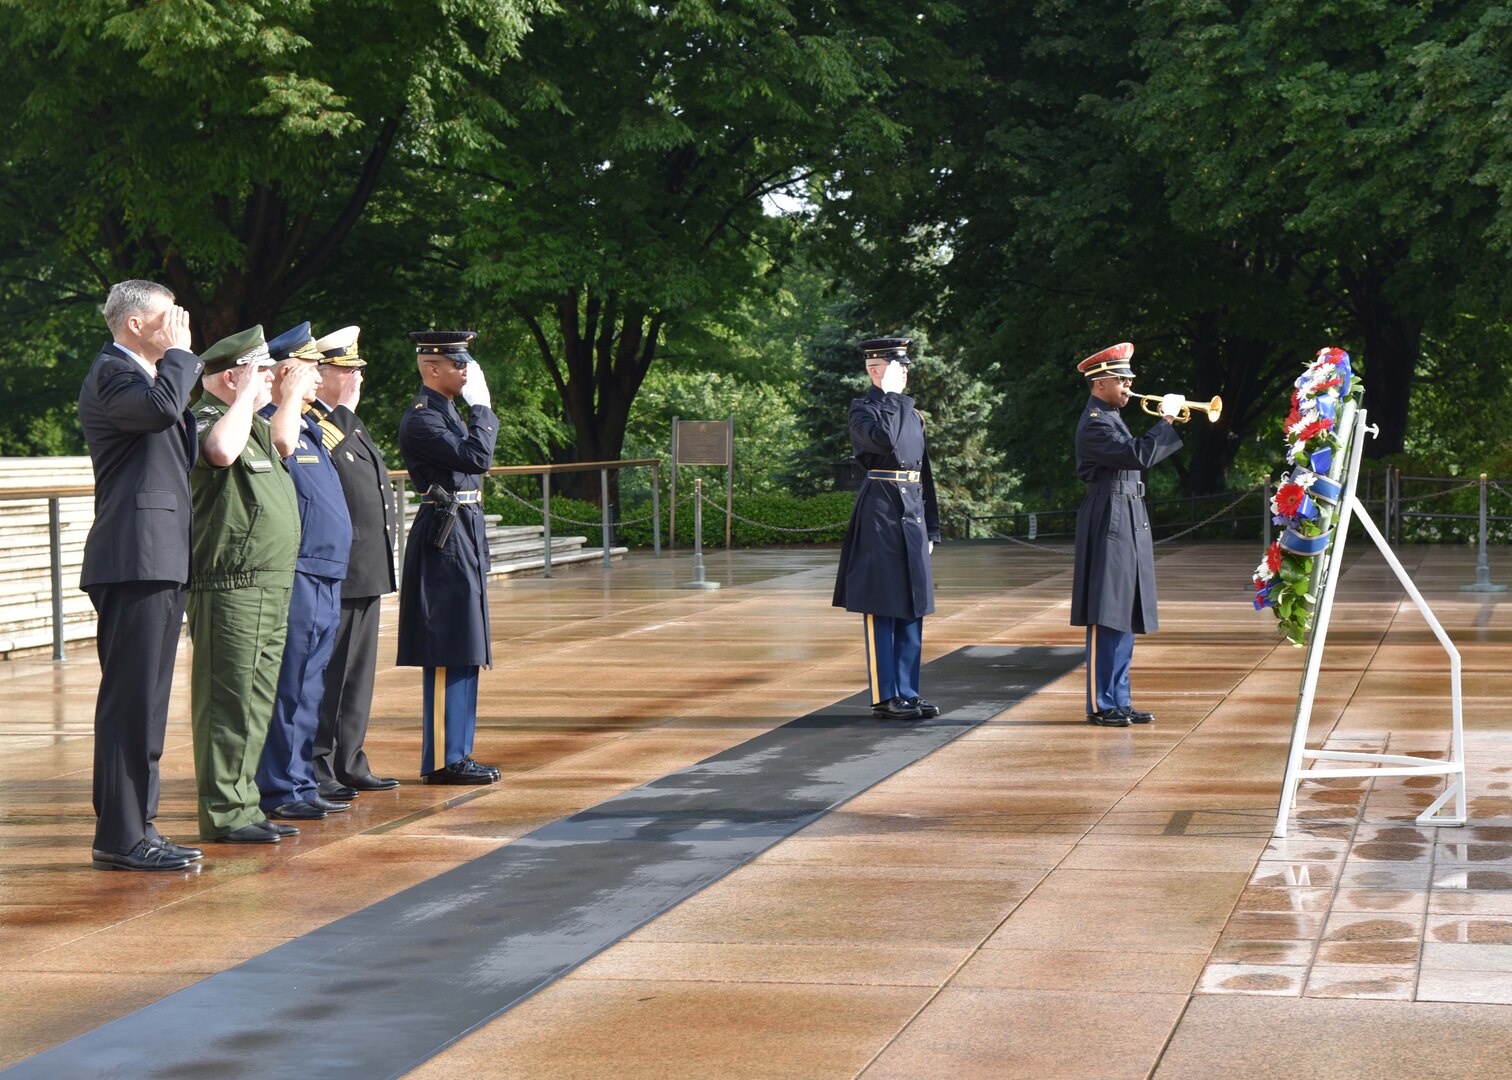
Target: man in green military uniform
244,545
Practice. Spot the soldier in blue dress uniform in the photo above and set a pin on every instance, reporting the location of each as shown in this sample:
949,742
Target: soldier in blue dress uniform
1113,591
286,776
884,569
443,593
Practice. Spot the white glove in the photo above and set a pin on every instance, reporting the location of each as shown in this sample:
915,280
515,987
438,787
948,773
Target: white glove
894,378
475,389
931,547
1171,405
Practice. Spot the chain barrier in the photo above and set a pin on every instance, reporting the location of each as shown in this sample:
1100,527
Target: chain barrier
1032,546
573,521
1439,494
1499,488
1218,514
775,528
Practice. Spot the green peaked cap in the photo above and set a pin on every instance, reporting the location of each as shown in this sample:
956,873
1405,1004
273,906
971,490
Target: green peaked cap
241,348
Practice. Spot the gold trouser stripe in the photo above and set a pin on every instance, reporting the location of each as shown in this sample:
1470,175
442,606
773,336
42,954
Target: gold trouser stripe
438,722
1092,668
871,659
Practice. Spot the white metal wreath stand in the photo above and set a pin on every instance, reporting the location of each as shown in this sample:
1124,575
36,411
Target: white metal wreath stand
1325,573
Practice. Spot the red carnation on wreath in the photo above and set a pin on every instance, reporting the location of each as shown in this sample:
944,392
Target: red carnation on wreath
1314,429
1288,498
1273,556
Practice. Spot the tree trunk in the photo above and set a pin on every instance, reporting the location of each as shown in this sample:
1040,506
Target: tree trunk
1392,342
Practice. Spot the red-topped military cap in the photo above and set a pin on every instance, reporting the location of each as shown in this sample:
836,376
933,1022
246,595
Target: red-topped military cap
1114,360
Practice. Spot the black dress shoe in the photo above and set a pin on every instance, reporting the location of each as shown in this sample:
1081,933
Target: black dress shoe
145,856
896,708
1138,717
372,783
492,770
277,828
1114,717
927,709
297,811
157,839
249,834
333,789
459,772
328,806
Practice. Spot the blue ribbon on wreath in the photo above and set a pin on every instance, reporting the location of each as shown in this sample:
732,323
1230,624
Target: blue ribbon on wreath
1320,461
1263,594
1306,546
1326,491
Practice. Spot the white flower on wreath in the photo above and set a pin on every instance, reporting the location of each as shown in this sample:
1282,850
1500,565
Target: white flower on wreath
1263,572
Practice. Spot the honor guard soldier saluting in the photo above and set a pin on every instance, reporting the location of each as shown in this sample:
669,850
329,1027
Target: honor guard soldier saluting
136,560
286,776
246,539
884,562
443,595
341,766
1113,592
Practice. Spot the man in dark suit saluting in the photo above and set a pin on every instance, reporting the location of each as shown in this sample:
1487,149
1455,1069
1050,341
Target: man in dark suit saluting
136,561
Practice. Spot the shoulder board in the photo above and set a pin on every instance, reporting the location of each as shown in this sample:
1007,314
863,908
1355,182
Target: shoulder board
330,435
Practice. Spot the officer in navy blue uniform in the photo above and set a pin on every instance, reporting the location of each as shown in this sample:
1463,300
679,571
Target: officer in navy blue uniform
285,775
1113,591
884,561
443,593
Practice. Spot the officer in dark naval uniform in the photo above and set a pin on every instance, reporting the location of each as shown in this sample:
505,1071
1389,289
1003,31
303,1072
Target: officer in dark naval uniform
1113,592
286,774
884,562
341,765
443,596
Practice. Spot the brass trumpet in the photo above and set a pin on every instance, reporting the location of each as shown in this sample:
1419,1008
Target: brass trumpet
1150,403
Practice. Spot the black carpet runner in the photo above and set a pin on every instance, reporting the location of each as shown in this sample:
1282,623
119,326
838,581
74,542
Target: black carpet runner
378,992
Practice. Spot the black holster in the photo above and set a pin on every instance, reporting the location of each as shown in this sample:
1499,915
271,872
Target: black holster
445,503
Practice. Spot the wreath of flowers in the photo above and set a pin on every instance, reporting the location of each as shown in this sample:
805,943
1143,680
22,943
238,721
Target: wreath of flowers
1303,501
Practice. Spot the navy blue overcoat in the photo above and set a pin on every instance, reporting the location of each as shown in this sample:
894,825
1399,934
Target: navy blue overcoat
884,561
1114,584
443,595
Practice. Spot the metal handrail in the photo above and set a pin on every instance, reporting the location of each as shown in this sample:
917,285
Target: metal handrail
400,480
54,492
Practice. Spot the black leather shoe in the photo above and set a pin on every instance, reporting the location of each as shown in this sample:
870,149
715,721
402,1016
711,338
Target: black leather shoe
927,709
145,856
372,783
328,806
459,772
249,834
896,709
1115,717
1138,717
491,770
277,828
157,839
332,789
297,811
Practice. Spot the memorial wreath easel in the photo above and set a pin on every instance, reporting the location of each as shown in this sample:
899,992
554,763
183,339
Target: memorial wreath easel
1334,497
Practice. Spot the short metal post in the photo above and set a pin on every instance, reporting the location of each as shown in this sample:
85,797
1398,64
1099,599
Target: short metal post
1482,582
698,581
1265,516
656,511
546,521
604,506
55,547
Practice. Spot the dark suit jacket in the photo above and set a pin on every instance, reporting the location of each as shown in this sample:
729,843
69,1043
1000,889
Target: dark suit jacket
141,440
369,499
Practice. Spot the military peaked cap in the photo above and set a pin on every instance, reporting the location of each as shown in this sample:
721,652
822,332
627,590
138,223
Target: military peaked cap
295,344
1114,360
246,347
451,344
886,348
339,348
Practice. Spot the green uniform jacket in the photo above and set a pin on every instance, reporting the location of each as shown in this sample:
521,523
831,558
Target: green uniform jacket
246,515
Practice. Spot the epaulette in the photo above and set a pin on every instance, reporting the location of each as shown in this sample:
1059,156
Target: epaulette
330,435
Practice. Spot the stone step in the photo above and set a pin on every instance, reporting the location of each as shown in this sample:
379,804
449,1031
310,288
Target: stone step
506,549
581,555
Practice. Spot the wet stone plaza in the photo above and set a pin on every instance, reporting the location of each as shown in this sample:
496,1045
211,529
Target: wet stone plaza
705,859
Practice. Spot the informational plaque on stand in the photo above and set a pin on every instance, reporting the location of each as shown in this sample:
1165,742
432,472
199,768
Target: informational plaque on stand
703,442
